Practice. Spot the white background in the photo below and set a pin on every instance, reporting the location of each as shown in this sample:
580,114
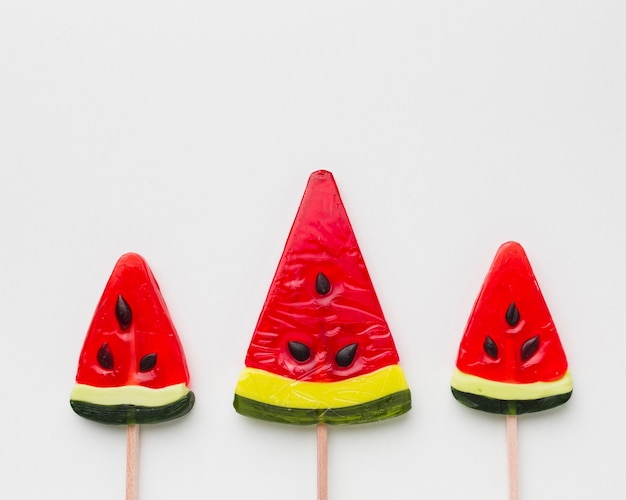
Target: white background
186,131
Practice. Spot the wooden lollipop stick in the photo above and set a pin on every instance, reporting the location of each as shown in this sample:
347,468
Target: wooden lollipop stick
322,462
511,439
132,445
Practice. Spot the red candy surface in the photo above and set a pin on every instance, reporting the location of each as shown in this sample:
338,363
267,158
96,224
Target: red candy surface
511,343
321,300
135,343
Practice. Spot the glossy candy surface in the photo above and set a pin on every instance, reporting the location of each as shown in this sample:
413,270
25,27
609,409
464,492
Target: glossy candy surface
322,350
511,360
132,367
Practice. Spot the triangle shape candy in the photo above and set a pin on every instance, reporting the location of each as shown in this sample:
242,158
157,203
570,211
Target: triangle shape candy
132,367
322,351
511,360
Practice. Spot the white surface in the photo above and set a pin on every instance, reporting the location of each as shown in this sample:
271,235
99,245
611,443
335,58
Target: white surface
186,132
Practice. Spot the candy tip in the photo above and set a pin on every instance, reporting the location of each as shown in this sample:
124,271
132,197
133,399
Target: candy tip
321,174
511,246
130,259
511,243
131,256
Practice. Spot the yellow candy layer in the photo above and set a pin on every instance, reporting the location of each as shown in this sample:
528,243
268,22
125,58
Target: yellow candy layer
266,387
129,395
507,391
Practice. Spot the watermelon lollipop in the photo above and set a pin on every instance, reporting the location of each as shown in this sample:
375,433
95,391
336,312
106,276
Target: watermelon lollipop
511,360
322,352
132,368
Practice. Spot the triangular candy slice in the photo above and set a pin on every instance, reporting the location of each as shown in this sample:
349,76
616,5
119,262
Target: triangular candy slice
322,350
511,360
132,367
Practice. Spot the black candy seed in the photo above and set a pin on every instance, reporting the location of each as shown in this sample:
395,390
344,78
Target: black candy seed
148,362
105,357
123,313
322,285
299,351
345,355
490,347
530,347
512,314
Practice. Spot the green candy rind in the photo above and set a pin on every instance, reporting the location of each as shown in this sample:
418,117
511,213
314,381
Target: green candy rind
386,407
126,414
510,407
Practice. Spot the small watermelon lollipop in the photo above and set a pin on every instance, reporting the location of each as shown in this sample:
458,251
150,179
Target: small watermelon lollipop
132,368
511,360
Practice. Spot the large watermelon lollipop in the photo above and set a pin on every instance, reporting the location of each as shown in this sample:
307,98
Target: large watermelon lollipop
322,351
